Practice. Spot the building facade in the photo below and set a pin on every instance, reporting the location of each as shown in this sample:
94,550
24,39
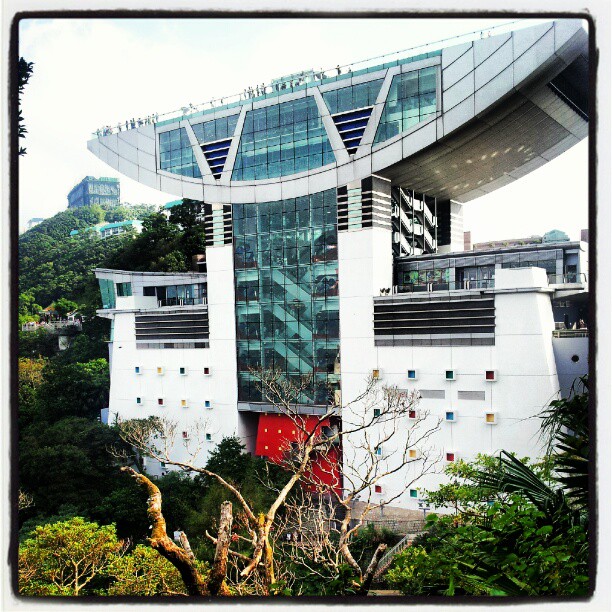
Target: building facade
334,247
106,230
91,190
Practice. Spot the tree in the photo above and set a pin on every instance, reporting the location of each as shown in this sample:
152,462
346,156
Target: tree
67,462
37,343
64,558
24,72
316,441
30,378
64,306
145,573
28,309
74,389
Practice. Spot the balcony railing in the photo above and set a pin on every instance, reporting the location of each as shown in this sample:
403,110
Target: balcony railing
553,279
567,278
444,286
571,333
181,302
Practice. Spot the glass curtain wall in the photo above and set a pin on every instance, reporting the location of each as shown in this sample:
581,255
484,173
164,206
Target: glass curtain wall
282,139
217,129
107,291
411,99
176,154
286,261
355,96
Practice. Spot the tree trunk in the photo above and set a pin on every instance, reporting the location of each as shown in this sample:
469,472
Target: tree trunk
216,579
159,540
366,583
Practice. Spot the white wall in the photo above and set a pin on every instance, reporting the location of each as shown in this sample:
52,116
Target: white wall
220,387
522,357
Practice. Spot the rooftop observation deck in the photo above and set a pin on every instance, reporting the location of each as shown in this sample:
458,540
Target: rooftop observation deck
455,119
307,78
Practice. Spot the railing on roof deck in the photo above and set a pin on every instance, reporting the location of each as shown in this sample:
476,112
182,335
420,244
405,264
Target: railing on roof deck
570,333
568,278
444,286
320,77
181,301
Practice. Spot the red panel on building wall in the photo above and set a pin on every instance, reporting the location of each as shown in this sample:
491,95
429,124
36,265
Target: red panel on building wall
275,432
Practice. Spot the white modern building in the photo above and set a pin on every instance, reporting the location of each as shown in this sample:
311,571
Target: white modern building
332,204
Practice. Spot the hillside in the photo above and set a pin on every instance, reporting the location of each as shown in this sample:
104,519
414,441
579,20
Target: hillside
52,264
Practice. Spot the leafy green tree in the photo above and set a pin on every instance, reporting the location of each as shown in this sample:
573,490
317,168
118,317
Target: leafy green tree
37,343
28,308
30,378
68,462
512,550
74,389
54,265
24,72
144,572
181,495
64,306
64,558
174,241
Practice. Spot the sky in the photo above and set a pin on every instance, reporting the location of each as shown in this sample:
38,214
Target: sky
94,72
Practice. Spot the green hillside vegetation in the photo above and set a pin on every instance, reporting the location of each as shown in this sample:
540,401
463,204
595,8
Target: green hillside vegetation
53,264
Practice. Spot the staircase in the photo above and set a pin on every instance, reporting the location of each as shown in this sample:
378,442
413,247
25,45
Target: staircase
389,556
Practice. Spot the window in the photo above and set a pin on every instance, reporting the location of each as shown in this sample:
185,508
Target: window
411,99
282,139
206,371
450,457
450,375
183,371
490,375
412,375
414,493
376,412
107,291
208,437
207,404
139,400
413,453
412,414
378,451
124,289
137,369
375,374
160,370
176,153
160,401
490,418
377,489
185,435
184,403
449,415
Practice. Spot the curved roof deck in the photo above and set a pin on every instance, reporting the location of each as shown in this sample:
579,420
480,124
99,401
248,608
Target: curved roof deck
491,107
